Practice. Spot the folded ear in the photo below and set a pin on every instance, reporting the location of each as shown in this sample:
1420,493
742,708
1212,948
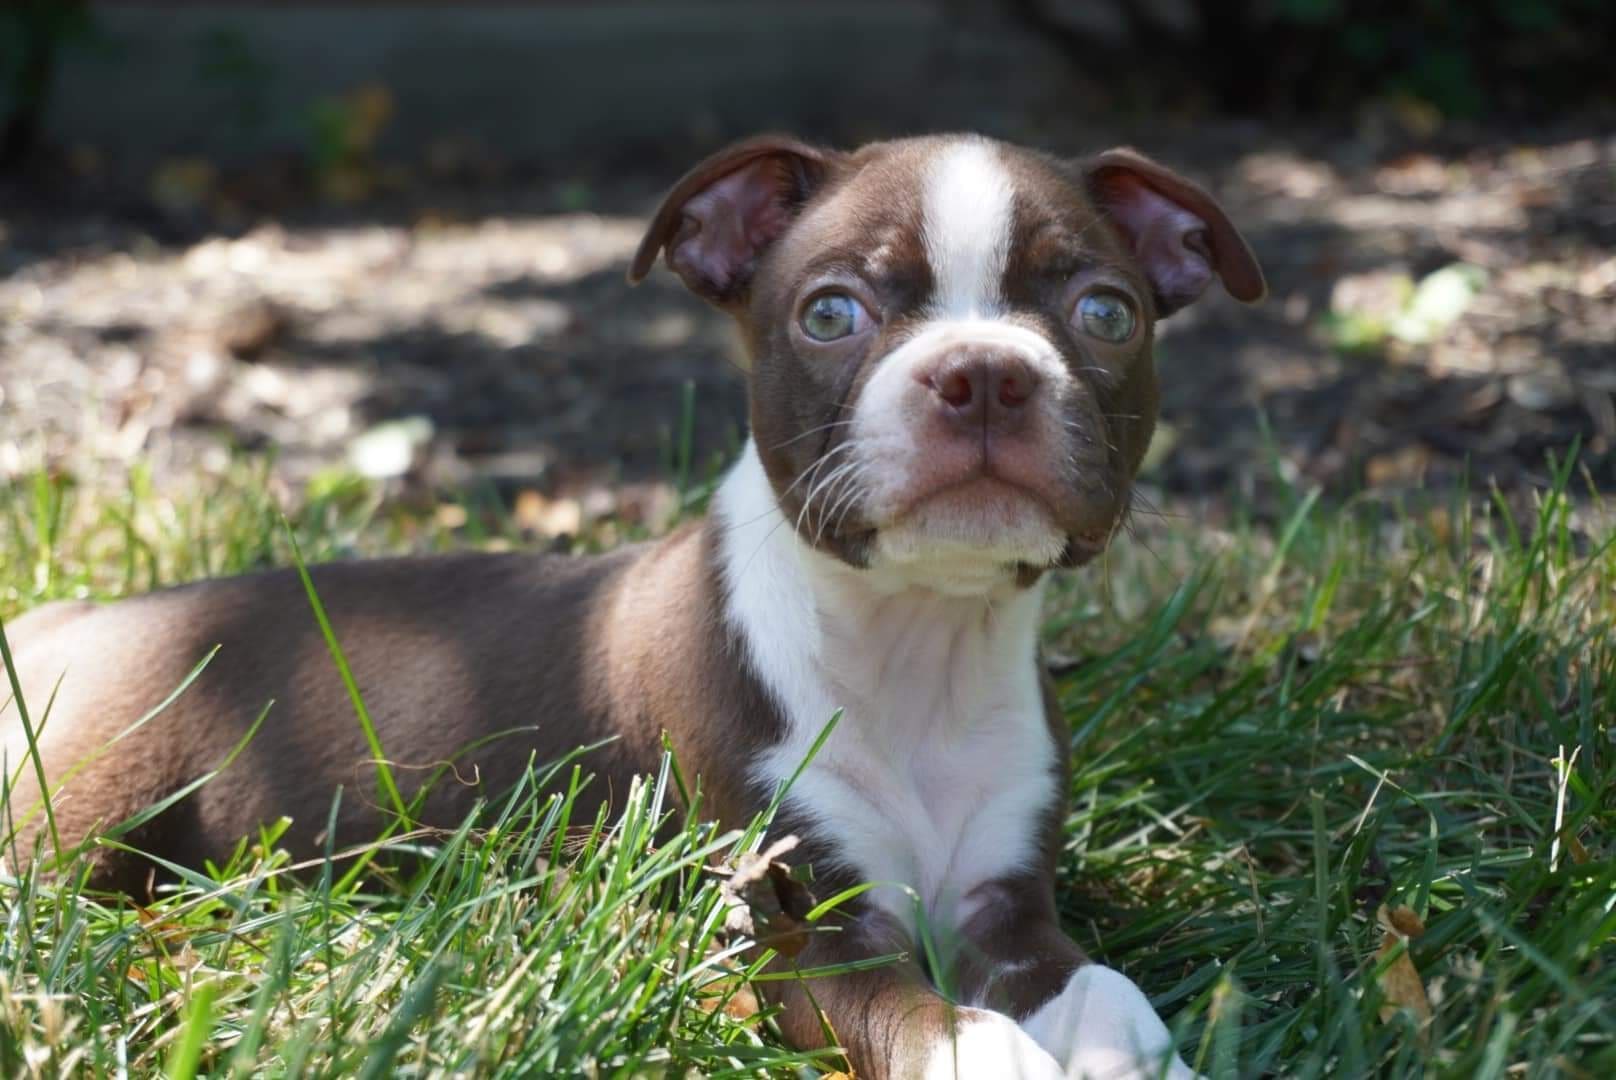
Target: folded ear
722,215
1178,232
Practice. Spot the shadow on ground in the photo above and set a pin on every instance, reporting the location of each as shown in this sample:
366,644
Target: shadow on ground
499,324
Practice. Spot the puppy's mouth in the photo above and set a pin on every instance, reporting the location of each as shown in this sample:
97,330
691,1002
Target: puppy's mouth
942,511
982,517
990,516
985,493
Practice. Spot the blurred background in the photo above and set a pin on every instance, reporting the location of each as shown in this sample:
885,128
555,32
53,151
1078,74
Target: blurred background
385,241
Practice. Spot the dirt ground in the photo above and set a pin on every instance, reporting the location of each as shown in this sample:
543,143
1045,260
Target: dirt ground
465,325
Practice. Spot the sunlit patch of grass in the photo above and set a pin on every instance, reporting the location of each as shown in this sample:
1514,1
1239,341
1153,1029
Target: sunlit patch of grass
1356,708
1280,727
524,943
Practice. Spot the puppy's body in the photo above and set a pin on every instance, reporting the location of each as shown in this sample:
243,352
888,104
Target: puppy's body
951,389
428,640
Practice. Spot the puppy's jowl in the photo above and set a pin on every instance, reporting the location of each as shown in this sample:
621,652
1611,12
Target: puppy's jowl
951,388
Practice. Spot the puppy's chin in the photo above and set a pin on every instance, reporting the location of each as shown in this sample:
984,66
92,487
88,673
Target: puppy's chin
962,546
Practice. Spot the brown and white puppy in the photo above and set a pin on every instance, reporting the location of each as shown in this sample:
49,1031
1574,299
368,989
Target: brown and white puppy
951,389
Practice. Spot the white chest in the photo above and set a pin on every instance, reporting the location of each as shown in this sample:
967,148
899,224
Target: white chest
928,804
937,776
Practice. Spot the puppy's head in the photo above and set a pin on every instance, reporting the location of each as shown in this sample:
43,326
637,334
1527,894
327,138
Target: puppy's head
950,337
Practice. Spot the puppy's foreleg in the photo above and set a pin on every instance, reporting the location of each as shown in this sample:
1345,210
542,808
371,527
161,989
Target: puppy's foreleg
893,1025
1090,1019
1101,1024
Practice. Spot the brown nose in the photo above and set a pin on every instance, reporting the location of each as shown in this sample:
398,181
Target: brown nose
981,389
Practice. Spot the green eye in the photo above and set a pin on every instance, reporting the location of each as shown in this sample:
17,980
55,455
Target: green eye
832,315
1107,315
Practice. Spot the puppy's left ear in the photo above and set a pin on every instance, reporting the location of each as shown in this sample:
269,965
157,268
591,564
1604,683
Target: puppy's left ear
1178,232
722,215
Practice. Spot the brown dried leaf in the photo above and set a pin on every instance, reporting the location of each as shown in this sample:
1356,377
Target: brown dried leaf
1574,847
1401,921
1400,981
768,900
741,1003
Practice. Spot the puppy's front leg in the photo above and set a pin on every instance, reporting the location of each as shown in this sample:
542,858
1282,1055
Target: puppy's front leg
894,1026
1091,1019
1101,1025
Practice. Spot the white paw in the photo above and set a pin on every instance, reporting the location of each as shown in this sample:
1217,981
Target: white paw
987,1045
1102,1027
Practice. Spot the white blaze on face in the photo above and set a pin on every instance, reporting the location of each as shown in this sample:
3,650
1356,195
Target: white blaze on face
968,209
968,216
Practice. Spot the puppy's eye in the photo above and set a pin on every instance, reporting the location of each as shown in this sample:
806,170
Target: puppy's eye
1107,315
833,315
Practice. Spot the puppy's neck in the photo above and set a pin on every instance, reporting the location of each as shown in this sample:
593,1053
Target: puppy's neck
813,625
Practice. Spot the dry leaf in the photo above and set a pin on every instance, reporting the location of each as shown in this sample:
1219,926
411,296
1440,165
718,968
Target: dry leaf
1400,982
739,1004
1573,846
768,900
1401,921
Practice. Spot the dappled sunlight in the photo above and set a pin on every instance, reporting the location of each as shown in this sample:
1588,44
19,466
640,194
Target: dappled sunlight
1431,318
514,344
506,336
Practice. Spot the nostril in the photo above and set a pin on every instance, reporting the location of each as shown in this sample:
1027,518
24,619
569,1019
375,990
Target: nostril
1014,391
1015,387
955,388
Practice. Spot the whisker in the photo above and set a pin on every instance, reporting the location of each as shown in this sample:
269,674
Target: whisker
812,431
1125,520
848,499
856,486
823,484
1138,502
818,464
827,489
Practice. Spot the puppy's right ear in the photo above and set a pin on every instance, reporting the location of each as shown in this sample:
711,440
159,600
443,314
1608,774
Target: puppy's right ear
722,215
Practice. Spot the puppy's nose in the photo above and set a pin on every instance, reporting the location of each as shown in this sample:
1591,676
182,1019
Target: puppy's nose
981,388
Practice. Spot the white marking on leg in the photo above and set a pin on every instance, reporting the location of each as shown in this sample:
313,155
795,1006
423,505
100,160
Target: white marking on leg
1103,1027
989,1045
968,208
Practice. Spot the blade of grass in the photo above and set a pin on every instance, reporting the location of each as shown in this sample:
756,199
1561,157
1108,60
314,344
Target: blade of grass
32,740
384,772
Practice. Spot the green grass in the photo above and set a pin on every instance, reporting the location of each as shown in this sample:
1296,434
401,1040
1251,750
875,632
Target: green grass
1280,727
